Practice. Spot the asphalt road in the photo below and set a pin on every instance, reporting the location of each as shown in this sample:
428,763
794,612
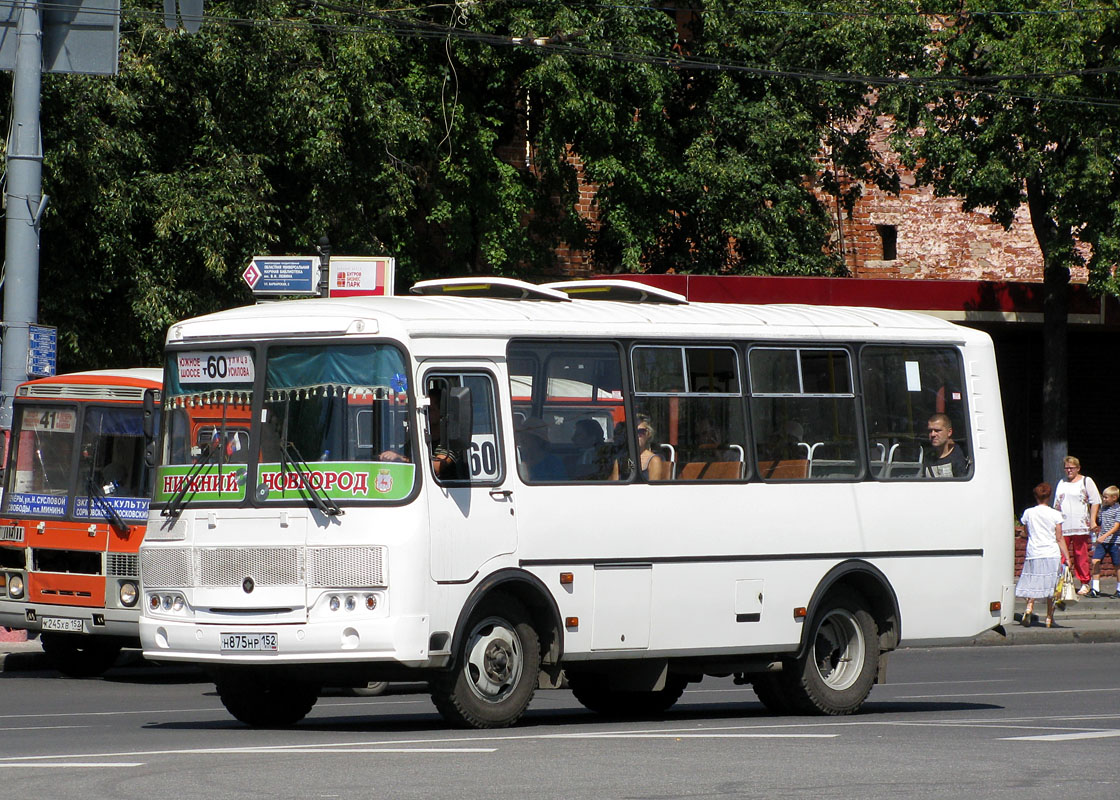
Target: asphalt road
972,722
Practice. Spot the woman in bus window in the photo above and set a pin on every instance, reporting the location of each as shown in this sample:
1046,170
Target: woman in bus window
651,465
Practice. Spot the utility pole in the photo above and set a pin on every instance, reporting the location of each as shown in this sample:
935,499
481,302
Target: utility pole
25,202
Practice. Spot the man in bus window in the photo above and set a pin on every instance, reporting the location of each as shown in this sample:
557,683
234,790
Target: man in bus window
592,459
947,460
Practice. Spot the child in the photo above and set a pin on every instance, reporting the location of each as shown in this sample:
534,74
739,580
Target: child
1109,539
1046,547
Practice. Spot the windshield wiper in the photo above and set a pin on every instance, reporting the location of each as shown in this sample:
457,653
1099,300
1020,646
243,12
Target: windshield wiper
175,504
325,504
115,519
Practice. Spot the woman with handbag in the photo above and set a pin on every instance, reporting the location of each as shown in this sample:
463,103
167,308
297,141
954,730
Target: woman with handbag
1077,497
1046,552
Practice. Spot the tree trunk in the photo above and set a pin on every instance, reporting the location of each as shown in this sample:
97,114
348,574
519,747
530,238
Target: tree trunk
1055,330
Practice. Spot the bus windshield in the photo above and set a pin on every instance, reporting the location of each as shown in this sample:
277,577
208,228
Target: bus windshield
333,426
328,413
41,458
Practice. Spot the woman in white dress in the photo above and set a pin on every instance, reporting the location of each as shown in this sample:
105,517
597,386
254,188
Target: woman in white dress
1045,550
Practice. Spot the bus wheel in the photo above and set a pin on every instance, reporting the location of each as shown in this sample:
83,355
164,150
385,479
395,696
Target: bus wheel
772,693
496,671
80,656
262,701
838,669
371,689
591,692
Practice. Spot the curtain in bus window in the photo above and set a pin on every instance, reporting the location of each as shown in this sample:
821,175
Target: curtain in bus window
803,411
333,403
903,387
692,398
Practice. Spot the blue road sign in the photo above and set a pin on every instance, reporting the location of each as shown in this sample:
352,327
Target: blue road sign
283,275
42,351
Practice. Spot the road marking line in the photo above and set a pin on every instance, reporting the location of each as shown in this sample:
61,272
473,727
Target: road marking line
44,728
333,750
708,736
1000,694
1064,737
71,765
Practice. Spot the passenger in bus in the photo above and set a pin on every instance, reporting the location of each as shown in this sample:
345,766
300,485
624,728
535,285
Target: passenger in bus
535,462
947,460
784,443
711,443
592,459
651,466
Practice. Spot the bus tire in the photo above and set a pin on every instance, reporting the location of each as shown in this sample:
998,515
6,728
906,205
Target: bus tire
79,656
841,660
772,693
264,702
371,689
591,692
497,668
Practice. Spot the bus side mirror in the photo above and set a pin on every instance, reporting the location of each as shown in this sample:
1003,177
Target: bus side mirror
148,424
458,419
149,417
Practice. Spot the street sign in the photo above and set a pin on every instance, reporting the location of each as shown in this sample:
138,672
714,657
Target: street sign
283,275
356,276
78,36
42,351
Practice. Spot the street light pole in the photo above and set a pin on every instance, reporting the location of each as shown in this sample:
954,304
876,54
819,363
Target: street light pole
25,207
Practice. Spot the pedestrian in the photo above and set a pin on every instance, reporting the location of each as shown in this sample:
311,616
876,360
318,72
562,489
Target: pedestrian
1108,539
1077,497
1046,551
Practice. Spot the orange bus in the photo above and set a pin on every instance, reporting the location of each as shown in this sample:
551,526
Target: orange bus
74,511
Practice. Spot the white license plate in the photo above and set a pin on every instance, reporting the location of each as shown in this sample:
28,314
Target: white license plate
63,624
251,642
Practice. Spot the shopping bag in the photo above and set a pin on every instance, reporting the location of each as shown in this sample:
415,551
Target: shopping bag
1069,594
1060,585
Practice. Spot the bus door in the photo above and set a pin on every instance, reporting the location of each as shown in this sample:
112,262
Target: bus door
470,498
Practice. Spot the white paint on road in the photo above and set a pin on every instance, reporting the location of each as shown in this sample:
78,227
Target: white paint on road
1065,737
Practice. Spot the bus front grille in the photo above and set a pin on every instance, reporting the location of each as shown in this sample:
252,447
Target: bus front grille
267,566
124,565
168,567
345,567
318,567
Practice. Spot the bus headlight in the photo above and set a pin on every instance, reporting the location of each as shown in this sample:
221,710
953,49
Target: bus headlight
129,594
172,602
15,586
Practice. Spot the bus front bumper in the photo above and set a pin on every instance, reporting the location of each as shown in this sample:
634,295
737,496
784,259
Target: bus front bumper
403,640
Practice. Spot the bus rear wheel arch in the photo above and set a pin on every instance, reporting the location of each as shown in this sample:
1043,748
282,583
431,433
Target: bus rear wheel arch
496,667
840,661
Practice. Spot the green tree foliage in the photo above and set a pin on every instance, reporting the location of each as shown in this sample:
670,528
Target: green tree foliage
1018,105
453,137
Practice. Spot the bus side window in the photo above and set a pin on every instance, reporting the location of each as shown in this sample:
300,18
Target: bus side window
462,438
903,387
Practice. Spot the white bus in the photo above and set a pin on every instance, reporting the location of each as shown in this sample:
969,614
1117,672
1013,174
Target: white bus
456,487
